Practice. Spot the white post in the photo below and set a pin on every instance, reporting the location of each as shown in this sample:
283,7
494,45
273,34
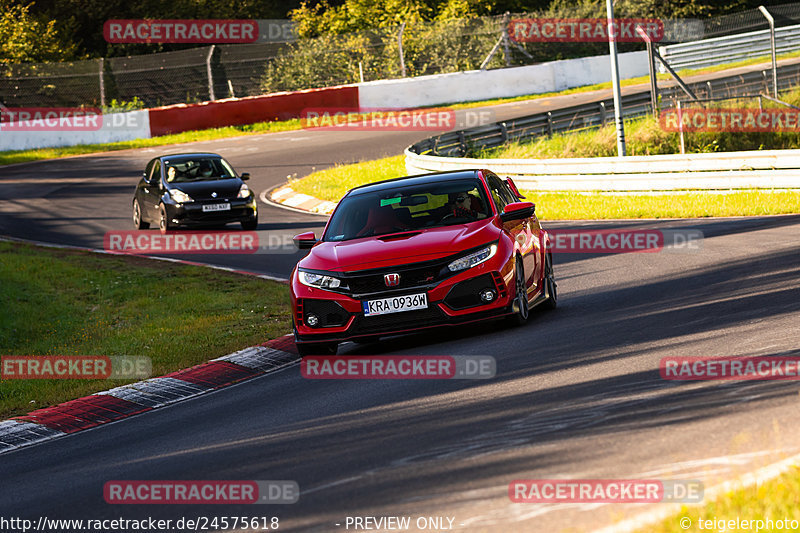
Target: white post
772,47
680,127
612,45
400,50
208,71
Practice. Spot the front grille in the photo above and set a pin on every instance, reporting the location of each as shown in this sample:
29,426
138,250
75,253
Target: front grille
466,293
412,276
330,313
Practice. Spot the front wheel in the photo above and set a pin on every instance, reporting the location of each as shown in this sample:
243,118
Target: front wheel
250,225
550,285
163,220
520,304
138,222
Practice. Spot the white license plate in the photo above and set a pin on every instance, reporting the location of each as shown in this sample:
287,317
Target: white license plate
396,304
216,207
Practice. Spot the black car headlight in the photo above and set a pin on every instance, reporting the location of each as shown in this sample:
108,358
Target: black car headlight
180,196
473,259
320,281
244,191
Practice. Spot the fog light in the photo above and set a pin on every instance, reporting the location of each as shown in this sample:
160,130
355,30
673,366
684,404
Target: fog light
488,295
312,320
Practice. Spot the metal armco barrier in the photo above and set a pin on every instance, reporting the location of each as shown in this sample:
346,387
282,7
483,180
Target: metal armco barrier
721,50
727,170
771,169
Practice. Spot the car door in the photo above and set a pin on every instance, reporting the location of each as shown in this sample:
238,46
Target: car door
151,190
526,232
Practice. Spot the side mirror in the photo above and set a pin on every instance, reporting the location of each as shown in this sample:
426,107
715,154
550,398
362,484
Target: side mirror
245,176
306,240
518,211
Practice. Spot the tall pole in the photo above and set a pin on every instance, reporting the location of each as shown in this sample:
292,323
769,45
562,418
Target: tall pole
612,45
772,47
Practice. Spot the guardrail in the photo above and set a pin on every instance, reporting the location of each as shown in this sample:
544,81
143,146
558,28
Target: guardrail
464,143
761,169
721,50
728,170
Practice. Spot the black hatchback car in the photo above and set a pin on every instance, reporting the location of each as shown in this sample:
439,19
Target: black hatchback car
193,190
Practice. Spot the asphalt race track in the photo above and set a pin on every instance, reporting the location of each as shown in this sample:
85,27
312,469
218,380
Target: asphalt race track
577,393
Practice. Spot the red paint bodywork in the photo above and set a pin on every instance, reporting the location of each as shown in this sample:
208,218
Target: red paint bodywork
517,238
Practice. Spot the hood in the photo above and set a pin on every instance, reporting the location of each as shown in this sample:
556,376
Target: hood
401,248
201,190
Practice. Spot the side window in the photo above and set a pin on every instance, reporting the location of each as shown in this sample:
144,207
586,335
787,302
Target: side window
156,173
500,194
149,168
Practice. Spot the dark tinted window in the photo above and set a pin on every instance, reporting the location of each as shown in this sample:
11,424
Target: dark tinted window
408,208
197,168
501,194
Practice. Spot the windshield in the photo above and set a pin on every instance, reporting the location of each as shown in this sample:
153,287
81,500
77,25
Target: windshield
408,208
199,168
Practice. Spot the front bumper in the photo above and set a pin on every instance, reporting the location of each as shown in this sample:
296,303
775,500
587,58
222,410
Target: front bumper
454,301
192,214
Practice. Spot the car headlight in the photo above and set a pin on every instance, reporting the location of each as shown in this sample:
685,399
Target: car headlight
475,258
180,196
320,281
244,192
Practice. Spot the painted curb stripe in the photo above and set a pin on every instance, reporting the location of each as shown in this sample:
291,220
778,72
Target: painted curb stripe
214,374
17,433
261,358
83,413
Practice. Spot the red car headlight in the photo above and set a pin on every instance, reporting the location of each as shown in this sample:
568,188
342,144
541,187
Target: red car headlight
473,259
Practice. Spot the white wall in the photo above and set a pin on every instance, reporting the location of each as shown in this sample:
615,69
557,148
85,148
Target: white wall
497,83
116,127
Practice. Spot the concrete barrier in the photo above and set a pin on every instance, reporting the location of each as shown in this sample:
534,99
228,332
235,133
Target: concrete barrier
249,110
477,85
116,127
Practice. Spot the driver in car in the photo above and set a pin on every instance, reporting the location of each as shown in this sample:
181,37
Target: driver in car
205,170
464,205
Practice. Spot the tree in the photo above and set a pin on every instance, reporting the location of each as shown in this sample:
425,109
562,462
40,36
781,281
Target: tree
28,39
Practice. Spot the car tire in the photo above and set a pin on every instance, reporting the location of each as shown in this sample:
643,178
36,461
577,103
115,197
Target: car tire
317,348
250,225
138,222
519,307
163,220
550,285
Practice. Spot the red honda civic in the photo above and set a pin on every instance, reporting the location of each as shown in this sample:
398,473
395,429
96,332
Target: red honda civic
417,252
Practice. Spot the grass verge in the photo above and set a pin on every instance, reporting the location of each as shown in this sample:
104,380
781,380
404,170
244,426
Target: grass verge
331,184
775,500
69,302
22,156
644,136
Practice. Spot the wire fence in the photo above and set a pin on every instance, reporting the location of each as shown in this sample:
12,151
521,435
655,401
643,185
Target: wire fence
236,70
